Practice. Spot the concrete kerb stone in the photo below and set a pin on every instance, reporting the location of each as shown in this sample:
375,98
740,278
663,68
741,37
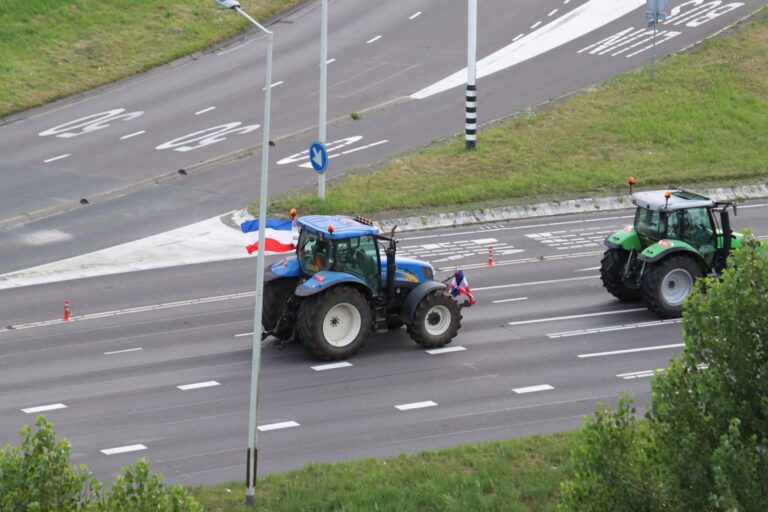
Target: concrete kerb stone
548,209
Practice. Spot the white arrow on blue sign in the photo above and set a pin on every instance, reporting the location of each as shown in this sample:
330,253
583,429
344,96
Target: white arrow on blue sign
318,156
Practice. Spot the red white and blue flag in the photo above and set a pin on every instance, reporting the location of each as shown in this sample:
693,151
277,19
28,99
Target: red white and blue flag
279,235
460,286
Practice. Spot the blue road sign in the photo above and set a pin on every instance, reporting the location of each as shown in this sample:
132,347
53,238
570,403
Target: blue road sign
318,156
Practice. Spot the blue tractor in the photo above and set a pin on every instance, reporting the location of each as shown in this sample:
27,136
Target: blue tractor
345,282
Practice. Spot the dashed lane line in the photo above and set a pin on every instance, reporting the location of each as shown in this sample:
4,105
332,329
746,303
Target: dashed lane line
533,389
331,366
572,317
445,350
123,449
43,408
278,426
631,351
612,328
199,385
415,405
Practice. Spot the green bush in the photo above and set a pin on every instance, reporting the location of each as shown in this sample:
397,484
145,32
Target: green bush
36,477
704,445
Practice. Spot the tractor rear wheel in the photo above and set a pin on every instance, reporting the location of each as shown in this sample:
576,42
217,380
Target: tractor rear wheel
666,284
335,324
277,293
436,322
612,275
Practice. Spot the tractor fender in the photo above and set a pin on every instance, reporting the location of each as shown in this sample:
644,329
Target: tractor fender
287,267
326,279
626,239
657,251
408,309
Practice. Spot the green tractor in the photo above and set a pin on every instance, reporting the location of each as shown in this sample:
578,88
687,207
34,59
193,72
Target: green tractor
677,237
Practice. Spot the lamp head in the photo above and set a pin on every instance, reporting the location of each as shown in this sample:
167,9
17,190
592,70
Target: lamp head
228,4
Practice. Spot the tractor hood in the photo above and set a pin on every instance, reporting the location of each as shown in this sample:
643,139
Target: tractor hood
409,270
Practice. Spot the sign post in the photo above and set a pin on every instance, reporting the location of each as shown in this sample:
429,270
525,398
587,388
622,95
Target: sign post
655,12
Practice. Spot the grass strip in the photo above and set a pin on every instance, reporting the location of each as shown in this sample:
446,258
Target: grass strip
516,475
50,49
703,121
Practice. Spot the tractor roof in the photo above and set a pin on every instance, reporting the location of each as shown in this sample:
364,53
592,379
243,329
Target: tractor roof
344,226
679,200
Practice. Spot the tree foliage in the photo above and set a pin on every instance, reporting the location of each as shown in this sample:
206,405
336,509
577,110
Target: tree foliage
36,477
704,444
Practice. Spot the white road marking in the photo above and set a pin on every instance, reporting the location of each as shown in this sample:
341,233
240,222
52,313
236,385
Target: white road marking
612,328
519,36
510,300
134,134
533,389
552,13
122,351
631,351
243,334
278,426
534,283
43,408
199,385
590,269
124,449
331,366
56,158
638,375
415,15
535,25
331,61
445,350
571,317
582,20
274,85
235,48
415,405
204,110
308,165
373,40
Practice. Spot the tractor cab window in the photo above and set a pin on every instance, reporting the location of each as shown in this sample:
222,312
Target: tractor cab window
698,231
314,252
360,256
649,224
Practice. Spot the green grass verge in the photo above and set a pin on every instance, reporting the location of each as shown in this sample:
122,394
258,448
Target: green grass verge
704,120
515,475
53,48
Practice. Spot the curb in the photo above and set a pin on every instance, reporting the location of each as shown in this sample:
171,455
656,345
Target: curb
587,205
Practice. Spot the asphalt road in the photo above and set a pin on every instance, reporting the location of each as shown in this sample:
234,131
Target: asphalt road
120,147
544,343
542,346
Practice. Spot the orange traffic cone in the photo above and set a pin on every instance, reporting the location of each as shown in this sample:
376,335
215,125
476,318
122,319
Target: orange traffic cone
490,255
66,311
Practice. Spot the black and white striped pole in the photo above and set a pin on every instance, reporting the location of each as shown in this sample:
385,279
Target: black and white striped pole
470,134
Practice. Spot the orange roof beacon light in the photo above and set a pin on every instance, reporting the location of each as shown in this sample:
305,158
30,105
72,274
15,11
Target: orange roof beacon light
667,195
293,213
330,229
631,182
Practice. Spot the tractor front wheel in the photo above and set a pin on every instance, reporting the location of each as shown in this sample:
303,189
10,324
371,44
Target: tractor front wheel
666,285
335,324
436,322
612,275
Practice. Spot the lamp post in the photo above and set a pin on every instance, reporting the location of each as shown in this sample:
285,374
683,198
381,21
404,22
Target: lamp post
470,135
252,451
323,88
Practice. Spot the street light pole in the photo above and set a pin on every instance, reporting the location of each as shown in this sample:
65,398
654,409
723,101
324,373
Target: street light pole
323,89
253,451
470,135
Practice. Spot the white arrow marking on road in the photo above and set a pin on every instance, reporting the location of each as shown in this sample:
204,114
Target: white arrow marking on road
572,25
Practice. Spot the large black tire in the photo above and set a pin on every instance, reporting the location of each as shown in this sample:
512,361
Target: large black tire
277,293
612,276
437,320
335,324
667,283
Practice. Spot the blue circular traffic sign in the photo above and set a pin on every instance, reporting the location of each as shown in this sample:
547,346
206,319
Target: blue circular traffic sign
318,157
